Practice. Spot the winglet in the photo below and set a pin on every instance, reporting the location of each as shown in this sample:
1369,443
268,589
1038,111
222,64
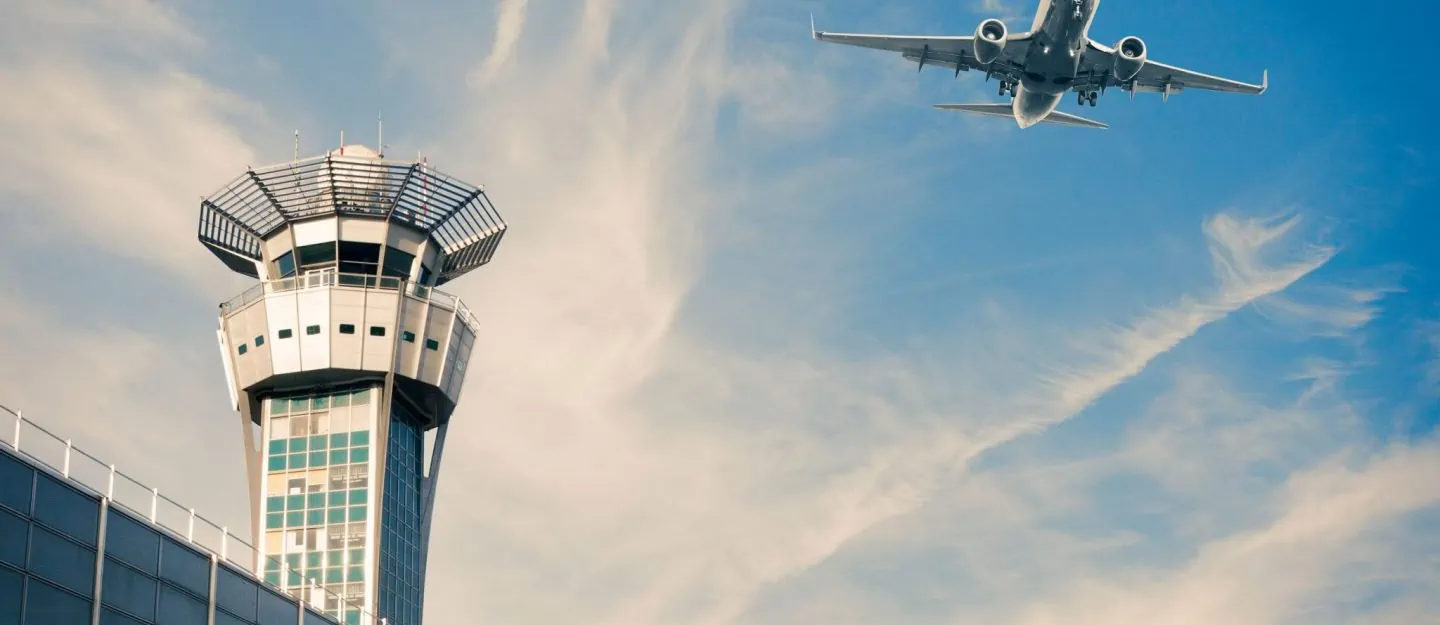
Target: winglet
814,34
1265,81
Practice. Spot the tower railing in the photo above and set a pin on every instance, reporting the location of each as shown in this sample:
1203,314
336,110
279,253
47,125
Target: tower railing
31,440
327,279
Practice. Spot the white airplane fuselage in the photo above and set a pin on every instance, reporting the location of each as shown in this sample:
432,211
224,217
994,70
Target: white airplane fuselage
1060,30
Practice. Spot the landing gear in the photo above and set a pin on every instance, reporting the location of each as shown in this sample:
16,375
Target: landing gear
1093,97
1007,87
1087,97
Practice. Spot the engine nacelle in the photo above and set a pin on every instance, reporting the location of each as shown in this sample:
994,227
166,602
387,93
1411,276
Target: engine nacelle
1129,58
989,41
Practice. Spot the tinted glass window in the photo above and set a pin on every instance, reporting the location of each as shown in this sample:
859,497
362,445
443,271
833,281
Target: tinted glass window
15,482
47,604
222,618
108,616
66,509
397,262
131,541
285,264
235,593
61,560
424,275
312,618
317,255
14,539
11,585
184,567
178,608
127,589
359,257
275,610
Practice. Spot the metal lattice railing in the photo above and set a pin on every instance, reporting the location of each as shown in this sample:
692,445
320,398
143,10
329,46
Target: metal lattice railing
327,279
260,202
95,476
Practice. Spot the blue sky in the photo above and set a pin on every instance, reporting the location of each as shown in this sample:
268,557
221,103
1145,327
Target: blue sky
770,339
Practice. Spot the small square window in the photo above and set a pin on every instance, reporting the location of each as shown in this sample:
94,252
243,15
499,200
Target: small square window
277,446
338,456
315,517
242,349
274,521
432,345
312,330
297,461
317,459
360,439
285,333
408,336
337,498
357,513
298,444
357,496
259,340
315,500
340,440
377,330
277,463
295,502
319,441
334,576
273,579
294,519
335,515
347,328
312,560
359,455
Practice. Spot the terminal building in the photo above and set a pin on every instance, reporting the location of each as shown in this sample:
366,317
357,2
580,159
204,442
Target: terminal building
345,364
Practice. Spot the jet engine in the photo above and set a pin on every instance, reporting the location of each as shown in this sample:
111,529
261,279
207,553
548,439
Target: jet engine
1129,58
989,41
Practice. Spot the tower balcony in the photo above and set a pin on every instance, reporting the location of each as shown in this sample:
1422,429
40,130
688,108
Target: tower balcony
331,328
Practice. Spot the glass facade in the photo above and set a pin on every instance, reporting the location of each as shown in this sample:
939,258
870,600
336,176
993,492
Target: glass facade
402,587
317,496
62,552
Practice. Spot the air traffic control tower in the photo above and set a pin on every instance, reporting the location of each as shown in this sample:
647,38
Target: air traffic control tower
344,361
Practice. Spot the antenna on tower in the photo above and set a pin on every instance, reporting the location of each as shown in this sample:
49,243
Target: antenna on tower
379,135
297,145
342,142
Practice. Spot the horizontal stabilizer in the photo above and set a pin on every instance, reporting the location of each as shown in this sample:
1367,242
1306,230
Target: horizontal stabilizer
1005,110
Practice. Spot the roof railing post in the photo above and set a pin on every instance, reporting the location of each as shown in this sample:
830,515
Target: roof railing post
190,530
65,470
19,417
154,503
110,486
224,544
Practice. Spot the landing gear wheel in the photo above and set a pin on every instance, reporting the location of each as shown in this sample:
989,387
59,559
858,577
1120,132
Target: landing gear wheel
1003,88
1080,98
1093,97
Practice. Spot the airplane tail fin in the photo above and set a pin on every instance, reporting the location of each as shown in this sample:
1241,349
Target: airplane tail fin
1004,110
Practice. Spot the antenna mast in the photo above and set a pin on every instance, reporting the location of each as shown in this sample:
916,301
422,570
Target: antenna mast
297,145
379,135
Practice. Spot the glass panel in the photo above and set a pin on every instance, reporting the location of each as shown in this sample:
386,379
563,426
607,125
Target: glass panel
360,439
357,496
315,500
62,561
311,618
132,542
377,330
356,257
285,264
66,509
359,454
298,444
408,336
16,481
397,262
295,502
347,328
129,590
235,593
286,333
319,442
274,521
276,463
432,344
337,498
12,584
179,608
15,538
316,255
315,517
259,341
335,515
312,330
184,568
317,459
277,446
46,604
110,616
221,618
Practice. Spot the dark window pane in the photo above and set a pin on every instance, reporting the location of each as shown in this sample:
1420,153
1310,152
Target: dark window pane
14,539
184,568
66,509
62,561
235,593
377,330
178,608
242,349
359,257
316,254
275,609
259,341
408,336
46,604
16,480
285,263
12,583
312,618
221,618
347,328
132,541
129,590
424,275
285,333
397,262
108,616
432,344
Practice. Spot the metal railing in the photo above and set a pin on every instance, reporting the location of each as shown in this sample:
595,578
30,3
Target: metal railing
94,475
327,279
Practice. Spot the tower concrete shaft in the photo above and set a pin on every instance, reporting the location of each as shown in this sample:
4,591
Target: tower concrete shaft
344,361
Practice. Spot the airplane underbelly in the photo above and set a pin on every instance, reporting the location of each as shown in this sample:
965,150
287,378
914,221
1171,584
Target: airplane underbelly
1050,69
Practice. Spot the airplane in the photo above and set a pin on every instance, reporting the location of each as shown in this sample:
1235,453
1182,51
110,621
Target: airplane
1037,67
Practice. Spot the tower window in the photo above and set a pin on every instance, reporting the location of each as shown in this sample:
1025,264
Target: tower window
347,328
285,333
242,349
432,345
377,330
259,340
408,336
312,330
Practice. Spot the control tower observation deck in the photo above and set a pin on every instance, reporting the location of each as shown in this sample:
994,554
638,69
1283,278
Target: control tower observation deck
342,359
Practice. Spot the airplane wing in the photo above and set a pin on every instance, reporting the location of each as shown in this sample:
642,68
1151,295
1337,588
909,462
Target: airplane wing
1155,76
1004,110
956,53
